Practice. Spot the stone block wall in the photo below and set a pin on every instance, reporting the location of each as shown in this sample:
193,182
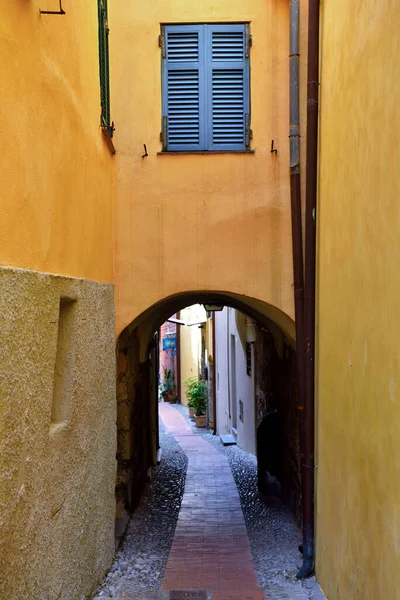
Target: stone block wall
134,427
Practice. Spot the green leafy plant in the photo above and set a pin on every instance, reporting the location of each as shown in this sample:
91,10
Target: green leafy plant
168,386
196,392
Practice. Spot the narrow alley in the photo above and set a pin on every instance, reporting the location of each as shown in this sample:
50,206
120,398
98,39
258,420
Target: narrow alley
200,530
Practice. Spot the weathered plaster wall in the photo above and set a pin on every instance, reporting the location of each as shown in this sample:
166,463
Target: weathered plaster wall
56,212
241,327
57,474
231,327
358,359
209,222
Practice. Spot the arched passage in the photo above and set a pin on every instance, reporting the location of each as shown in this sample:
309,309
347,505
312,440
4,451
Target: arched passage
137,398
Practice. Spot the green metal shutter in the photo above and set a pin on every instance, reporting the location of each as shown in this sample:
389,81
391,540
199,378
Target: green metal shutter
104,64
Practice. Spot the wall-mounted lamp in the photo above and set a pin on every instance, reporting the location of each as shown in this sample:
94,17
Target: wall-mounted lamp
213,306
53,12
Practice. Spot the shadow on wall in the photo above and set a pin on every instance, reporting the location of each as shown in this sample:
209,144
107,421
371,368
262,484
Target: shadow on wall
133,427
277,420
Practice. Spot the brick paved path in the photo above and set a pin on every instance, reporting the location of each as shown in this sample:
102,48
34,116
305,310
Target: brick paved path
211,549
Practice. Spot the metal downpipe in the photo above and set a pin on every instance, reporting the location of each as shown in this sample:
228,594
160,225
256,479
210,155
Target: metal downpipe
309,268
298,268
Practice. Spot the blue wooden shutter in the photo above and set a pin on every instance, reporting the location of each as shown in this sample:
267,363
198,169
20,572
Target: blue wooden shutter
183,88
228,87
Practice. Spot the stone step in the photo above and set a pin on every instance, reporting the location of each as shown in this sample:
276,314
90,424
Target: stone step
227,439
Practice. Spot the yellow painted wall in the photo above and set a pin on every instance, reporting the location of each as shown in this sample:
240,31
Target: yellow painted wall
219,222
358,358
55,170
190,345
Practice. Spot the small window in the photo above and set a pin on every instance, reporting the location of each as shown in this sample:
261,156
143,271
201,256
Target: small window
62,390
248,358
205,87
104,66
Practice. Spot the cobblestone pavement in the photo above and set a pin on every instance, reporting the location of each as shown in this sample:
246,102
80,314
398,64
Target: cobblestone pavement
210,549
273,534
139,567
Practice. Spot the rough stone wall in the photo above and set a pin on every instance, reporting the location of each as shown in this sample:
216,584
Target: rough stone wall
57,470
134,425
275,377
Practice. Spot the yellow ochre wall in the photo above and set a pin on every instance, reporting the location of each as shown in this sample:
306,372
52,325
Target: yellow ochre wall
358,358
190,345
55,170
200,222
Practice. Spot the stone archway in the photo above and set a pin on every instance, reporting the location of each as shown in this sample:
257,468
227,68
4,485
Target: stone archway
137,420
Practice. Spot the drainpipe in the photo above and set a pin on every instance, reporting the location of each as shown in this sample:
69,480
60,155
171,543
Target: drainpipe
310,247
178,361
297,235
214,390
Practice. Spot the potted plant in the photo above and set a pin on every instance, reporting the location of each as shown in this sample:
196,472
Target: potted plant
189,385
196,391
168,387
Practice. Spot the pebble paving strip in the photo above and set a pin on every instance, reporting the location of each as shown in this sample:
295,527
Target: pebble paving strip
140,561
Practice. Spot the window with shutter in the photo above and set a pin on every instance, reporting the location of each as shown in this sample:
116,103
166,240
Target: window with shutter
205,87
105,119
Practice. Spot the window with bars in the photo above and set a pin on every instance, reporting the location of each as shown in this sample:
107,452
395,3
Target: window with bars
104,66
205,87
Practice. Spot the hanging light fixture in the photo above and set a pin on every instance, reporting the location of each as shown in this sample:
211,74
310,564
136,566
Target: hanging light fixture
213,306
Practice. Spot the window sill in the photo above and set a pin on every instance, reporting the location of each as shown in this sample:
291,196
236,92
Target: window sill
108,140
205,152
55,427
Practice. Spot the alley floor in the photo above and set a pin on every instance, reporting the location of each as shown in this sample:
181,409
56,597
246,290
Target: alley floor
208,553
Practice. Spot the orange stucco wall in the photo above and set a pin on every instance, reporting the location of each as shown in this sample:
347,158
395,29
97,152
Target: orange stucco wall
55,170
199,222
358,359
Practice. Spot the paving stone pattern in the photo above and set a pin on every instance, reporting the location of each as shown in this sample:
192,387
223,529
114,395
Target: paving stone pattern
210,551
210,548
273,534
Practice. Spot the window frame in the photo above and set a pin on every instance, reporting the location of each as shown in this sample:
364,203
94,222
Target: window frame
206,66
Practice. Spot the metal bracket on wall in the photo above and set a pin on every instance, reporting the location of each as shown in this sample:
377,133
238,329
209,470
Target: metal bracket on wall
273,149
53,12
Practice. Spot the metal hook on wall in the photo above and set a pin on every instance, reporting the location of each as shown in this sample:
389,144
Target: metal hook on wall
53,12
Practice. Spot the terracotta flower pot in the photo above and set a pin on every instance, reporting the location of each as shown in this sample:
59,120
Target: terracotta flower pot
171,397
200,420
